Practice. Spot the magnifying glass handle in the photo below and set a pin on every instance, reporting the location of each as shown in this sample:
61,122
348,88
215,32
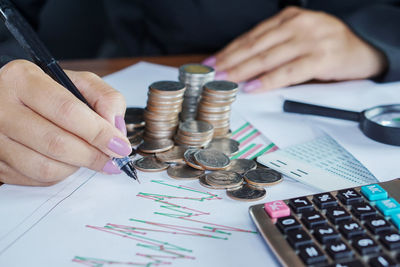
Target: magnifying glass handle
303,108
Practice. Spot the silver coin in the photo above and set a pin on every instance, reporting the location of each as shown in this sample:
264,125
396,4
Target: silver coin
226,145
134,118
188,156
155,146
167,86
183,172
211,159
174,155
247,193
194,126
241,166
226,86
224,179
135,139
203,182
263,177
150,164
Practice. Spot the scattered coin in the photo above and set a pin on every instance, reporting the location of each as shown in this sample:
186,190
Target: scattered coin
184,172
211,159
188,157
224,179
174,155
203,182
227,146
263,177
150,164
155,146
134,118
241,166
247,193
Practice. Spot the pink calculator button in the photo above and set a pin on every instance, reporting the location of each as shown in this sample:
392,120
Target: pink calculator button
277,209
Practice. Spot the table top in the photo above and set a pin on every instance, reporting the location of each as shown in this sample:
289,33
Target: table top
103,67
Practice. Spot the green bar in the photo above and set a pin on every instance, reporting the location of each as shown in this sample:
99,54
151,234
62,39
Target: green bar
241,128
243,151
248,135
396,119
263,151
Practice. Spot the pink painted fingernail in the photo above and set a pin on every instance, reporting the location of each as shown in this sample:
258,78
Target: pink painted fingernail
210,61
110,168
221,75
252,85
120,124
119,146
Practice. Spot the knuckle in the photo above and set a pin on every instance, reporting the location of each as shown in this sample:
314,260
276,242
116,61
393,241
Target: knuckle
47,171
66,108
89,76
56,146
100,135
17,68
97,161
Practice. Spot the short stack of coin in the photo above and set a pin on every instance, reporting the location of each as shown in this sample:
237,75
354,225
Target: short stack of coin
194,76
215,105
161,115
194,133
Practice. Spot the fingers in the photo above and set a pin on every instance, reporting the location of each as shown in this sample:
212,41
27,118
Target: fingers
294,72
54,142
31,164
56,104
9,175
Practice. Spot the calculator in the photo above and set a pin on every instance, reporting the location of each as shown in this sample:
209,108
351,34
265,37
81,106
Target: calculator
351,227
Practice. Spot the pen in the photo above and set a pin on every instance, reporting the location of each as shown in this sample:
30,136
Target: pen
30,42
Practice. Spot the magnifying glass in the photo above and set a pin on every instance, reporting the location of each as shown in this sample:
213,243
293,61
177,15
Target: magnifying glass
380,123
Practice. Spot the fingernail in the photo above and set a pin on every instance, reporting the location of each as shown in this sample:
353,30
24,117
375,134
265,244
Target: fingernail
251,86
119,146
120,124
221,75
210,61
110,168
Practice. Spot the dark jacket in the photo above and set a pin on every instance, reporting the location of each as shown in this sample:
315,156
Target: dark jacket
115,28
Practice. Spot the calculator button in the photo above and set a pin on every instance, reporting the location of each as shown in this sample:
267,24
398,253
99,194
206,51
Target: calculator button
363,210
374,192
338,250
311,254
286,224
337,214
388,206
355,263
324,200
300,204
298,238
325,233
365,245
349,196
382,261
377,224
390,240
312,219
351,229
277,209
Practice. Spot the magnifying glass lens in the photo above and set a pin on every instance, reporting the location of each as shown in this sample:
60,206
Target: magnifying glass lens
390,119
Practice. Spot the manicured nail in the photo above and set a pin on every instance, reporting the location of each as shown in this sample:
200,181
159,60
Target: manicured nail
119,146
221,75
110,168
120,124
210,61
251,86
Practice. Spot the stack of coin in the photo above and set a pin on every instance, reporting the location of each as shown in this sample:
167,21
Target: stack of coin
215,105
162,114
194,133
194,76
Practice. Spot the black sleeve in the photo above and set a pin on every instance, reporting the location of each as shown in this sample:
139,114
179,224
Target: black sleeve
378,25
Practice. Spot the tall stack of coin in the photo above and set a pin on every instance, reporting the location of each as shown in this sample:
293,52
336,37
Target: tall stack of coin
194,76
162,114
215,105
194,133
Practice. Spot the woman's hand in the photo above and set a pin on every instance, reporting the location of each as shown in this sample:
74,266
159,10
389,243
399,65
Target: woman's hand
295,46
46,133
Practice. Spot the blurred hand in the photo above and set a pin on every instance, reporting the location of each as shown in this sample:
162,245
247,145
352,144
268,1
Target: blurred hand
295,46
46,133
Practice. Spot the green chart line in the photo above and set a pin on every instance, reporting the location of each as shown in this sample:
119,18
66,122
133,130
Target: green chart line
241,128
243,151
248,135
263,151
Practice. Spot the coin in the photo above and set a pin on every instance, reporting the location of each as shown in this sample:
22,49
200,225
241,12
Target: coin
241,166
247,193
211,159
174,155
156,146
135,139
195,127
188,156
167,87
224,179
194,133
226,145
263,177
134,118
203,182
183,172
150,164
